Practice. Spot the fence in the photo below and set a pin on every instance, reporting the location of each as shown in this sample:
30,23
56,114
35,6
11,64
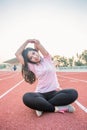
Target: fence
72,69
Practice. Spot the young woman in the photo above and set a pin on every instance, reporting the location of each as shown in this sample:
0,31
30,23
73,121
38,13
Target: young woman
37,65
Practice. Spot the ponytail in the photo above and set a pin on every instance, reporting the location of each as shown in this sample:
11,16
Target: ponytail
28,75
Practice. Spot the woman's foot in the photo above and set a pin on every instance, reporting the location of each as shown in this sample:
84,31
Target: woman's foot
39,113
67,108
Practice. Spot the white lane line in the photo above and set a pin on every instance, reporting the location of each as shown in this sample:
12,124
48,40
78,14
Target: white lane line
78,104
5,74
11,89
9,76
73,79
81,106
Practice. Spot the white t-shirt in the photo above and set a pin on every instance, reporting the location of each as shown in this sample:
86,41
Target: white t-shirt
46,75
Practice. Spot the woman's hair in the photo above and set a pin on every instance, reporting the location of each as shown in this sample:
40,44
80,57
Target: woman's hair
28,75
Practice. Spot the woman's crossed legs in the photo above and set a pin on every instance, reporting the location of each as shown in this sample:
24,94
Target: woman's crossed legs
46,102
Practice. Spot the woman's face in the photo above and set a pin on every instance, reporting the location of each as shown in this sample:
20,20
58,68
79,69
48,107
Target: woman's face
34,56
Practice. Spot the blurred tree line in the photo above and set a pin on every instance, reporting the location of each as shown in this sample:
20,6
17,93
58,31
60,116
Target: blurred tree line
78,60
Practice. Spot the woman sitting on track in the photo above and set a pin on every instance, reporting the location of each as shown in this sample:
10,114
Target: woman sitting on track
46,97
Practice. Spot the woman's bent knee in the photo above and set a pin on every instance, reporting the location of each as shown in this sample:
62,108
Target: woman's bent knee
26,98
74,94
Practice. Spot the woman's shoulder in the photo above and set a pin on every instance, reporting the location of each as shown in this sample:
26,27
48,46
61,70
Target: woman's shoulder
48,57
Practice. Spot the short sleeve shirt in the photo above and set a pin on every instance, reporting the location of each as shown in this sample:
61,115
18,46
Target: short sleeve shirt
46,75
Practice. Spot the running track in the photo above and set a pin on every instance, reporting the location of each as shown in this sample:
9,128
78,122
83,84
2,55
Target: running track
14,115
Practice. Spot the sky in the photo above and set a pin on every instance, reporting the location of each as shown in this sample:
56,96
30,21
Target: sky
60,26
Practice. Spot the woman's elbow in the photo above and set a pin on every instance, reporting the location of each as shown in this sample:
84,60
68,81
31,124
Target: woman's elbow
16,54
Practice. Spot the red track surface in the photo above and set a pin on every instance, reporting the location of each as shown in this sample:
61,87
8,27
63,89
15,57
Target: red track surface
14,115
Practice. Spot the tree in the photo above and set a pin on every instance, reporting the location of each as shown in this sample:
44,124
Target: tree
84,56
78,63
70,60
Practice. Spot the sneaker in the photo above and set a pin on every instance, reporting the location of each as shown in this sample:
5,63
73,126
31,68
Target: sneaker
39,113
68,108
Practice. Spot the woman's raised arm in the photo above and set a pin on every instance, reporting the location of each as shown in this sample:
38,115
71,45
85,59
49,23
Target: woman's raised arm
18,53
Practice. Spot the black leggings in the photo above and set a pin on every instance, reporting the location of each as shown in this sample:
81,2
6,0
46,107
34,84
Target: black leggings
47,101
